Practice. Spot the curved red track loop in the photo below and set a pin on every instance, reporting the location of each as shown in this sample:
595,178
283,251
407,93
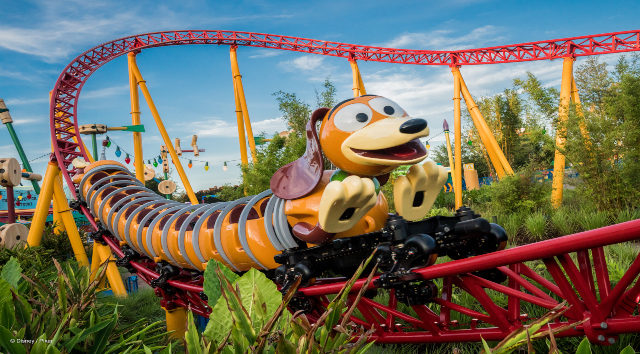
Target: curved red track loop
64,104
583,284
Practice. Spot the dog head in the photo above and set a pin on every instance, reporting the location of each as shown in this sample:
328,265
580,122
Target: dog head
365,136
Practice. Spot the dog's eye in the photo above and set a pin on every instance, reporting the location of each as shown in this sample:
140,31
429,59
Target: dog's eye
352,117
386,106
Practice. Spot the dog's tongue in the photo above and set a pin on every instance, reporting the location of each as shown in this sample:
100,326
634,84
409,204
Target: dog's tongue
408,151
402,151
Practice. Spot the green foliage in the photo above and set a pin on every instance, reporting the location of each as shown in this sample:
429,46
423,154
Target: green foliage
57,312
142,304
249,316
536,224
518,194
592,219
563,222
283,150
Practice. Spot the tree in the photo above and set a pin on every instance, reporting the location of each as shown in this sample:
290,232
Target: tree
283,150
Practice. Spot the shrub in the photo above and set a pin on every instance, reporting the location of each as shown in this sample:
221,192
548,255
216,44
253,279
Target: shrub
563,222
536,224
518,194
592,219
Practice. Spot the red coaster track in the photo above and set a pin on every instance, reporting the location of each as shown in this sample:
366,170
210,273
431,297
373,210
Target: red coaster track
571,268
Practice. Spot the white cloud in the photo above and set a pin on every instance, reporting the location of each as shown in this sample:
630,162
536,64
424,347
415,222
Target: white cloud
25,101
265,53
305,63
447,39
215,127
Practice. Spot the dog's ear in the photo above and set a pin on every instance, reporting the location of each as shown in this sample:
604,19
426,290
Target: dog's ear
301,176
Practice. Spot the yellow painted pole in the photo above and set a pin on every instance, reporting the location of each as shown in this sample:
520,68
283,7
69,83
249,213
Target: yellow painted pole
72,230
561,132
358,84
113,275
176,322
57,221
34,238
138,158
95,261
457,129
239,120
495,153
575,98
165,136
237,80
445,125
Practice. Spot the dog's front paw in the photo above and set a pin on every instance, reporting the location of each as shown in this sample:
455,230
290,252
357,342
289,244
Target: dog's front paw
344,203
415,193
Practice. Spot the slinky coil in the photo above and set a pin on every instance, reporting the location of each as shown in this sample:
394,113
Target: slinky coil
244,233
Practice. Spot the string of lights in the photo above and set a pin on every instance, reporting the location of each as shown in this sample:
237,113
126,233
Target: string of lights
108,142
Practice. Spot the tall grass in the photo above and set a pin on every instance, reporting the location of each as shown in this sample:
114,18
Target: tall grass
592,219
563,222
627,215
536,225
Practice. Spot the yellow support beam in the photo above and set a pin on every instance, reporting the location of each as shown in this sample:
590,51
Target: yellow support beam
138,158
113,275
358,84
69,223
176,322
165,136
239,89
457,129
575,98
57,221
34,238
561,132
496,155
241,138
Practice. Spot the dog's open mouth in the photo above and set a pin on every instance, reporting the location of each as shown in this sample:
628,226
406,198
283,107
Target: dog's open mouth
407,151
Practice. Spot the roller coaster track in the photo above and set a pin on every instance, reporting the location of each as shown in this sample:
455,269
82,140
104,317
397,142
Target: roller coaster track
570,269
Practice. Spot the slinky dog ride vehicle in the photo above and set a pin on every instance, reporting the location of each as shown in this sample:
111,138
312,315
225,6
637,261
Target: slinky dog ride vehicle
312,220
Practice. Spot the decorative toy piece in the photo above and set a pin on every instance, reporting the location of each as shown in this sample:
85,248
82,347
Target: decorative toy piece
149,173
10,172
167,187
12,235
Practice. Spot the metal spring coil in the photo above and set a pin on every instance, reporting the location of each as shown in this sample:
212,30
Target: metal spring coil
180,234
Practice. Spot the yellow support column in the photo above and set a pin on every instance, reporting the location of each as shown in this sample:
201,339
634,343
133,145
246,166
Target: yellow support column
176,321
489,141
113,275
165,136
34,238
237,84
57,222
138,159
358,84
67,219
561,132
457,193
457,129
241,138
575,98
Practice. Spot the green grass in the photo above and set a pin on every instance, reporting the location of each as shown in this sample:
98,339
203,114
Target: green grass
562,221
141,304
536,225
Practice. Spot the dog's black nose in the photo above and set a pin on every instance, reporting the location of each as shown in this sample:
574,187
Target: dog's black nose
413,126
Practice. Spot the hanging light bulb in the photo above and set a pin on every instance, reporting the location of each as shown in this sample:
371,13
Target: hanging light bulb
118,152
155,163
206,166
108,142
428,146
159,159
148,162
127,159
190,164
224,167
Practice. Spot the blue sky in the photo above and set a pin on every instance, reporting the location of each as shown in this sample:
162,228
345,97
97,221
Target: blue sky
191,85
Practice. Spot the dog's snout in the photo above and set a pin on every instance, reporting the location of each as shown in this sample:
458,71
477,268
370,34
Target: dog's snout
413,126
